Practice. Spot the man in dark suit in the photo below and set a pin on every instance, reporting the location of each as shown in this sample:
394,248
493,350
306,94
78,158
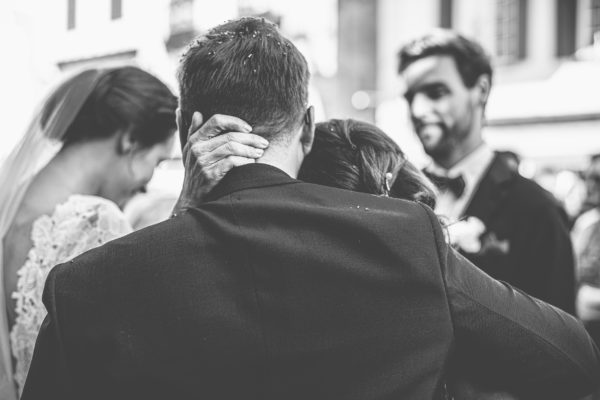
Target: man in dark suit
521,232
278,289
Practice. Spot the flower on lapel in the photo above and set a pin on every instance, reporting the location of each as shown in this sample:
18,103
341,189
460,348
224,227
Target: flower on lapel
466,234
491,244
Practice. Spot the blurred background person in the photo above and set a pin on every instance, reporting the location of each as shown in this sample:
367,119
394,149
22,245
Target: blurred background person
586,242
568,187
522,232
93,144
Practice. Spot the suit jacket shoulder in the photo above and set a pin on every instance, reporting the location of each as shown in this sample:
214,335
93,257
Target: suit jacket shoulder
501,188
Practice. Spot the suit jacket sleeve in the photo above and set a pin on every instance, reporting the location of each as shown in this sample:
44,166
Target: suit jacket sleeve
507,340
48,376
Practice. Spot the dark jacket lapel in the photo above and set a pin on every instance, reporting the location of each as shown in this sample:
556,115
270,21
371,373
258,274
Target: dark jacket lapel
492,190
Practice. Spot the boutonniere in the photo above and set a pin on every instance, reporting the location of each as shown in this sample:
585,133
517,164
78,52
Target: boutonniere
471,236
465,234
491,244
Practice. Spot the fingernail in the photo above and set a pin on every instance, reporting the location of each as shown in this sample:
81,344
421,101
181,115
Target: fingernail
264,142
259,153
248,128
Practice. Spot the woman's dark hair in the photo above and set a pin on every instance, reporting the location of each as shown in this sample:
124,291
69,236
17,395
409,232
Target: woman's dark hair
356,155
123,98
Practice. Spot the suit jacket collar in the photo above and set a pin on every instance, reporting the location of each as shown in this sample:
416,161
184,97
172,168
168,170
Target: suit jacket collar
492,189
250,176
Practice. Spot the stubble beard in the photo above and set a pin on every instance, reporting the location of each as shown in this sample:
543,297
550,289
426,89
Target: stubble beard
451,139
442,147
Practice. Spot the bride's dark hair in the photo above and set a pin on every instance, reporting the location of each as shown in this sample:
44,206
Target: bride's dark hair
356,155
121,98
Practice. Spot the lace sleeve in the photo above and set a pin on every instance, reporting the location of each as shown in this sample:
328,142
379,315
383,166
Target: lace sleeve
80,224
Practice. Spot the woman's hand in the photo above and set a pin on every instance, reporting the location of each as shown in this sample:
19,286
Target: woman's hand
212,150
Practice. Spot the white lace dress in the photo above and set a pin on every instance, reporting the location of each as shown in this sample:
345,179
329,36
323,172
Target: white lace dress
77,225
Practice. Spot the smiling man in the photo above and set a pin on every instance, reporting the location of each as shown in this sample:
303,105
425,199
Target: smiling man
525,240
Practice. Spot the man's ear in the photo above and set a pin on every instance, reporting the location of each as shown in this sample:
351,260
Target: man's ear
181,128
308,130
483,86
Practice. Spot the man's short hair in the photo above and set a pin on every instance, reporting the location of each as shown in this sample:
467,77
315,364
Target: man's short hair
247,69
470,58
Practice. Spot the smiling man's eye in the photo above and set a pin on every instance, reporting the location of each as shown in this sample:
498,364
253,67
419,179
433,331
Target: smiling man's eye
436,92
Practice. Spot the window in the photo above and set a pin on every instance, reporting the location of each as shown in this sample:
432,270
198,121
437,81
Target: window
181,18
446,14
116,9
566,12
595,21
71,14
510,30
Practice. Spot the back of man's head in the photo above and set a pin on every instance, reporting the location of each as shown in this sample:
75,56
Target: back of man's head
470,58
247,69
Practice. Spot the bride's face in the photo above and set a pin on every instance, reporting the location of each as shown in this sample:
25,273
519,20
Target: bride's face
134,170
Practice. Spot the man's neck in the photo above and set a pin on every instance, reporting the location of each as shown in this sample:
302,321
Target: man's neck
459,153
283,158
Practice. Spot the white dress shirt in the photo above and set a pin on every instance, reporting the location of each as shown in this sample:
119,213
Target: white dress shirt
472,168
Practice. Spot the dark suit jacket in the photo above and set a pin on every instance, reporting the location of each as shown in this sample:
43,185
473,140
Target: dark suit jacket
278,289
527,242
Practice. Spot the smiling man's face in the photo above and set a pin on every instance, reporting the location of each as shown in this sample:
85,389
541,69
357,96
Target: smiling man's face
442,107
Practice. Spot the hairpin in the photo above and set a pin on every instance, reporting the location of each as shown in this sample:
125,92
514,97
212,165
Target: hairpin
387,187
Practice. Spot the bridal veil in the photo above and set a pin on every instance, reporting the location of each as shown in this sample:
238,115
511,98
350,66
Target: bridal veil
41,141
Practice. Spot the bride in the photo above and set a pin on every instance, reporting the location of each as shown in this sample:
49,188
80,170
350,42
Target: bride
92,145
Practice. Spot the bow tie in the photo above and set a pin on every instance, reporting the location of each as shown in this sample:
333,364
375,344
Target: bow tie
454,185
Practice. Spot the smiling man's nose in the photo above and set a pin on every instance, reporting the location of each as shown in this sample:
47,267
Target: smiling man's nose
421,106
